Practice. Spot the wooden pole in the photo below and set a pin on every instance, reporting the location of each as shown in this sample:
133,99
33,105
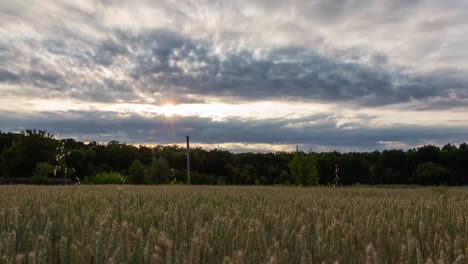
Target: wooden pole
188,160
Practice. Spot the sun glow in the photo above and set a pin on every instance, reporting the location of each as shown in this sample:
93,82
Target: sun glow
246,111
168,109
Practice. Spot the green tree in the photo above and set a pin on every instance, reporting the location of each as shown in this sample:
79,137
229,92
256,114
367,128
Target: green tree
303,169
116,156
28,149
284,178
6,139
137,172
42,172
82,160
247,174
159,171
429,173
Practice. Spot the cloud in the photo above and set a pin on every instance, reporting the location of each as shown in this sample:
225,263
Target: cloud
159,64
6,76
319,132
377,56
185,65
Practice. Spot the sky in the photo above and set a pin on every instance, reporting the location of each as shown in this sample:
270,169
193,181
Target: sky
346,75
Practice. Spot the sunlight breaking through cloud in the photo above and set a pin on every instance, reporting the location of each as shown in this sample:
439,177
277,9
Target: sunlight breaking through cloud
351,66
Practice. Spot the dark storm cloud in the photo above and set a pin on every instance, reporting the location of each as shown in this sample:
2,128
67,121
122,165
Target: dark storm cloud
34,77
161,64
6,76
107,50
178,63
319,130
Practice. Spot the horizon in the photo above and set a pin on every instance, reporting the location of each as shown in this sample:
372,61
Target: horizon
257,76
237,148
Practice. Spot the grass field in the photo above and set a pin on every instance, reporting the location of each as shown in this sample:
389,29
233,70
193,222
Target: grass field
201,224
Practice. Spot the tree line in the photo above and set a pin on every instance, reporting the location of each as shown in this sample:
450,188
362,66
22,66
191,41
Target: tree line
38,155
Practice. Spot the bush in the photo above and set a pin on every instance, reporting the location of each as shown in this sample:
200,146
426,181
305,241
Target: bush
106,178
42,172
180,176
137,172
304,169
429,173
197,177
158,172
284,178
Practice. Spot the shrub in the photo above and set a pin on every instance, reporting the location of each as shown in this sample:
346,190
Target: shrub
42,172
137,172
285,178
303,169
105,178
202,178
158,172
429,173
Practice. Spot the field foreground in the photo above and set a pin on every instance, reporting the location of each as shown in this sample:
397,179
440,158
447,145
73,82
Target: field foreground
201,224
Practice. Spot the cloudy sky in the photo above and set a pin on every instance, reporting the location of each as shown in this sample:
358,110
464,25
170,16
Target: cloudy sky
242,75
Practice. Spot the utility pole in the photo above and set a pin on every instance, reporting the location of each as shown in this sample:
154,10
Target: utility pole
188,160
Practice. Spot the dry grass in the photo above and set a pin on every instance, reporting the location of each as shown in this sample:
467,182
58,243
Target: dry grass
181,224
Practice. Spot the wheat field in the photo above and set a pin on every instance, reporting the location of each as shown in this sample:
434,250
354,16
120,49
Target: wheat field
205,224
